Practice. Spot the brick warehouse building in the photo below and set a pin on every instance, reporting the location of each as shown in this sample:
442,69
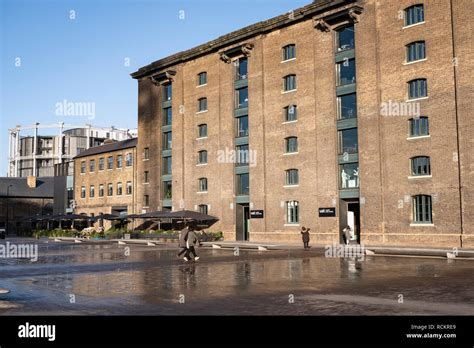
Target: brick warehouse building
354,112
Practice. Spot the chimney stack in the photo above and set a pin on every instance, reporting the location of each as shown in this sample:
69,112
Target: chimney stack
31,181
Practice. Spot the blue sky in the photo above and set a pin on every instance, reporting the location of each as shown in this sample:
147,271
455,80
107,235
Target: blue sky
84,59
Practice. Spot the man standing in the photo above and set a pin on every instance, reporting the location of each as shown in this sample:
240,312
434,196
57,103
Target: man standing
305,236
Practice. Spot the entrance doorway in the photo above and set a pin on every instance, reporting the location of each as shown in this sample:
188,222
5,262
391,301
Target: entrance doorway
349,215
242,217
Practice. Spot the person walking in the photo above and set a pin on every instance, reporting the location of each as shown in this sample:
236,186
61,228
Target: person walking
305,237
347,234
183,237
190,243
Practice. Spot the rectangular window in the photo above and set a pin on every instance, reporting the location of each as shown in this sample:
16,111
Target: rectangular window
202,185
289,83
91,191
347,106
145,176
83,192
167,92
345,38
101,191
419,127
202,78
167,116
348,141
289,52
292,212
242,184
291,144
242,98
290,113
202,130
242,126
119,161
202,157
110,162
129,187
420,166
416,51
202,104
292,177
101,163
146,153
119,189
110,189
167,140
417,89
203,208
242,155
414,14
167,190
346,73
422,209
167,165
92,166
128,159
349,174
241,69
83,167
146,200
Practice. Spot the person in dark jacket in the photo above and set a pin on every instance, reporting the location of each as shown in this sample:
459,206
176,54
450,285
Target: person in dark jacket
305,236
183,236
190,243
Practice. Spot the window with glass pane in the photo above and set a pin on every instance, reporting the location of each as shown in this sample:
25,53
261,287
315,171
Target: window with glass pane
241,69
202,130
167,190
242,126
417,89
128,159
420,165
345,38
292,177
289,52
292,212
347,106
202,78
242,97
110,190
167,116
110,162
146,200
202,185
414,14
92,165
119,188
242,155
348,142
203,208
289,83
146,153
83,167
83,192
91,191
349,175
202,104
243,184
167,165
146,178
202,157
291,144
419,127
290,113
346,73
119,161
167,92
167,140
416,51
129,187
422,209
101,190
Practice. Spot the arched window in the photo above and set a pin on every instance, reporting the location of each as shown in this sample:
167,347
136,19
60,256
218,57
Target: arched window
292,177
416,51
289,52
202,104
420,165
414,14
202,185
202,78
417,89
291,144
289,82
202,157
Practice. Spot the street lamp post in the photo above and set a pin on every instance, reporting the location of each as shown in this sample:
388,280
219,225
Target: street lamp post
8,193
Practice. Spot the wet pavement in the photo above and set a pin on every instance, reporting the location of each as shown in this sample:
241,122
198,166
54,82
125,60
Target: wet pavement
111,279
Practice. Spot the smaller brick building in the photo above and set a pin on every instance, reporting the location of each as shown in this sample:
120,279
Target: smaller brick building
105,179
